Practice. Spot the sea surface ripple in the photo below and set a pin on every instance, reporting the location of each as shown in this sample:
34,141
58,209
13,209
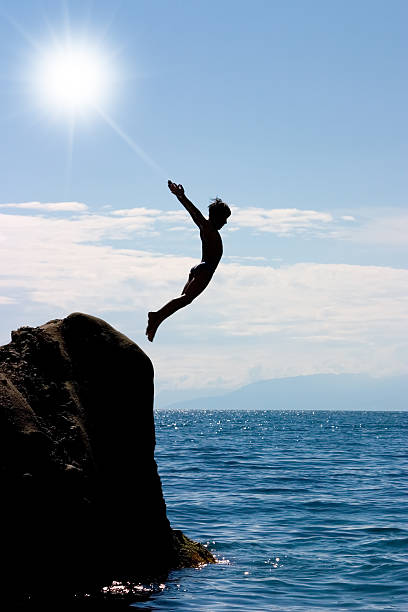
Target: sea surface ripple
303,510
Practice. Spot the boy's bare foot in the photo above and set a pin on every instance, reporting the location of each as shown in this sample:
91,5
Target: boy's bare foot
152,325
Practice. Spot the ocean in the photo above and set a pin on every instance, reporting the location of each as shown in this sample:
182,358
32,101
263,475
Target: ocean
303,510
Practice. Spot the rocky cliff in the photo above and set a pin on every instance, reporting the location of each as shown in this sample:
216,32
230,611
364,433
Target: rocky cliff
82,499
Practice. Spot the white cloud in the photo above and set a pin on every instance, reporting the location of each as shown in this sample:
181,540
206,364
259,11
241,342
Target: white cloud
333,300
373,226
169,216
246,259
224,366
122,223
94,227
281,321
282,221
383,227
137,212
288,321
387,227
48,259
49,206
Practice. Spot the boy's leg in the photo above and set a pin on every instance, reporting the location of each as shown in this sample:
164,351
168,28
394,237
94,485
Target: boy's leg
192,289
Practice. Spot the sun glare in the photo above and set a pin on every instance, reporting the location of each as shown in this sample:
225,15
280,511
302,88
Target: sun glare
72,78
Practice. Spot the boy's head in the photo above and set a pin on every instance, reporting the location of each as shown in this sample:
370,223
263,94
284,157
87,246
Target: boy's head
218,213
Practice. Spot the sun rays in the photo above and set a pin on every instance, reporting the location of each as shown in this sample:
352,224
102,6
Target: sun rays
70,78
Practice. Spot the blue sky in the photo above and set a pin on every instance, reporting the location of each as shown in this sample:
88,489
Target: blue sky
293,112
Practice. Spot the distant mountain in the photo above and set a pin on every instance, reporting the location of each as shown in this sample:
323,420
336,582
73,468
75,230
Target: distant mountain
316,392
166,397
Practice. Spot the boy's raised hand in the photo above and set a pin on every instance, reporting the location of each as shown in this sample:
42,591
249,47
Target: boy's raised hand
178,190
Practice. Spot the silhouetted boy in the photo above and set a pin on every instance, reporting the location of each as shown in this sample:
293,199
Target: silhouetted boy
200,275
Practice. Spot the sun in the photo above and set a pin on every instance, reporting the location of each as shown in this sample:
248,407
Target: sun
73,77
69,77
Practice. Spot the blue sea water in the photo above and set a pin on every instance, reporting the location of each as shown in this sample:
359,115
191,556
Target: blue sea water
303,510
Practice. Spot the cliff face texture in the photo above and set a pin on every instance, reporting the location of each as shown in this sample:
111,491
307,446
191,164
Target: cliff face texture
81,497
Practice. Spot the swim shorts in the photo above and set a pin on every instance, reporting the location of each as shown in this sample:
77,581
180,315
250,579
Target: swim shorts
204,266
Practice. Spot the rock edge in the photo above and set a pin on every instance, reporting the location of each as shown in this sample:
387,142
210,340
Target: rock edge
82,498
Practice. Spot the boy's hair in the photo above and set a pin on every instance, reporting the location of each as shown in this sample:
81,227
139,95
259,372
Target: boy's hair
219,208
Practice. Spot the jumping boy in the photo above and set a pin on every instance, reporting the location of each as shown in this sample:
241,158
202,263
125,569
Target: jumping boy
200,275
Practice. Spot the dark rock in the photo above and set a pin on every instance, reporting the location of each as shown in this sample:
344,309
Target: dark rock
82,499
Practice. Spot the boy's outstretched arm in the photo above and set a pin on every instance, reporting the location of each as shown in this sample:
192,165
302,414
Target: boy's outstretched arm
195,214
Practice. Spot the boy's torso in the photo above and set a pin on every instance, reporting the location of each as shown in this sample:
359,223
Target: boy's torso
211,244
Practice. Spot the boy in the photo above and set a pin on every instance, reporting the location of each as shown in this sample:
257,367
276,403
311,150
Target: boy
200,275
